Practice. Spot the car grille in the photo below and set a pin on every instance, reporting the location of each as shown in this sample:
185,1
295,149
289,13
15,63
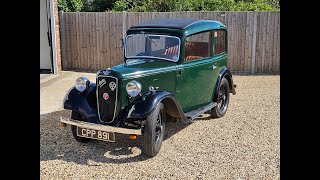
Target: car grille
107,92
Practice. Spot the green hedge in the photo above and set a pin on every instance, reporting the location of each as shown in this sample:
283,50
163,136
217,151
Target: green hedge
167,5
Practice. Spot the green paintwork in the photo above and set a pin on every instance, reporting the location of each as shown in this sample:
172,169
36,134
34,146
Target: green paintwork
193,87
196,83
204,25
198,79
154,73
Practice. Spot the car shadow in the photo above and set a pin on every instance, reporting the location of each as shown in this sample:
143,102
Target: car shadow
57,143
205,117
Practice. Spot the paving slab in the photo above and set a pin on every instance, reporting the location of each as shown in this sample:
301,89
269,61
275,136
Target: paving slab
54,87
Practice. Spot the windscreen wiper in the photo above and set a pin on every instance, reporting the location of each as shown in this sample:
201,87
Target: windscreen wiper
149,38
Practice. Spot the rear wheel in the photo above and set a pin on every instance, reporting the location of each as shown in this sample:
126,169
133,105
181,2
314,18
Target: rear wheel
222,99
154,131
77,116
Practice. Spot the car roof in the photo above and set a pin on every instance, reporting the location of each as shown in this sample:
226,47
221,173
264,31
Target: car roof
190,25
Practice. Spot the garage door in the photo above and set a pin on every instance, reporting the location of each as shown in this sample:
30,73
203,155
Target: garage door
45,59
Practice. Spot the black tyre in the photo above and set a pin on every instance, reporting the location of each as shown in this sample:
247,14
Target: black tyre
222,99
154,131
77,116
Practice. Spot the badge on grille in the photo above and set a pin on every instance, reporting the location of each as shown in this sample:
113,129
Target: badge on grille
102,82
105,96
106,72
112,86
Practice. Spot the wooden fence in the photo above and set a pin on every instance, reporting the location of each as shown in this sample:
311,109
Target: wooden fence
92,40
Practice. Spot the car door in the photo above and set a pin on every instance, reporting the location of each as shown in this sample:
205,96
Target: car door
195,75
219,52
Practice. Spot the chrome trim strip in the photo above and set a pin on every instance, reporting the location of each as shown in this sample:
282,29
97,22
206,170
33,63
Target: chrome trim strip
131,76
130,111
115,106
153,57
100,127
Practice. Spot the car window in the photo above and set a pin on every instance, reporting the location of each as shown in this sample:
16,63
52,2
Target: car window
220,43
152,46
198,46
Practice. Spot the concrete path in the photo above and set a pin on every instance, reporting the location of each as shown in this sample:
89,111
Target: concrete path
44,75
54,87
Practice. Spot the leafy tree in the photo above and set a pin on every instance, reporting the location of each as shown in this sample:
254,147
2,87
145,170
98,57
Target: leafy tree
196,5
120,6
102,5
86,6
168,5
70,5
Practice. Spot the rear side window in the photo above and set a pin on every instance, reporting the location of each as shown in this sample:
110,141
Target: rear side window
220,43
198,46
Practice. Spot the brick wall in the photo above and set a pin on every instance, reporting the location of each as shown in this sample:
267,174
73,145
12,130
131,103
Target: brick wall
57,29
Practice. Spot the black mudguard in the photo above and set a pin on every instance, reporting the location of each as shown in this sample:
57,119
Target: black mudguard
148,102
84,103
225,72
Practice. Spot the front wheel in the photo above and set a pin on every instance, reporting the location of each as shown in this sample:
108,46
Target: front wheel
222,99
154,131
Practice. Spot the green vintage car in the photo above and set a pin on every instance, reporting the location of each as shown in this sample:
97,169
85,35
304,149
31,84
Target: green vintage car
173,68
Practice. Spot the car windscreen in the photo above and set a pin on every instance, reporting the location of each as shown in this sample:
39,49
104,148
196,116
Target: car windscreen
152,46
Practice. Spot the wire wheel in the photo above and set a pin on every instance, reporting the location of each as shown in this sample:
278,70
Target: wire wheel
222,97
158,129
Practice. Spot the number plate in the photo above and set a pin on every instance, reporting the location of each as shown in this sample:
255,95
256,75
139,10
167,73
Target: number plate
95,134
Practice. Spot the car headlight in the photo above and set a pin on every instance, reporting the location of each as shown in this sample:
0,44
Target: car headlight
82,83
133,88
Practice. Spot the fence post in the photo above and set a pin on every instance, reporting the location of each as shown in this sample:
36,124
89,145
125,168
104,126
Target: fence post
254,44
124,23
62,40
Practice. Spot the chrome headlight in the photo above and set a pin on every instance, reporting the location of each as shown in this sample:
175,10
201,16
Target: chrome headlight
133,88
82,83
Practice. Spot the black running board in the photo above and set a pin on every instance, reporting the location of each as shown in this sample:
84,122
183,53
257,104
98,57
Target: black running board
196,113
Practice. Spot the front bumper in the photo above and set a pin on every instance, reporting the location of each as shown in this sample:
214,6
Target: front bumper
100,127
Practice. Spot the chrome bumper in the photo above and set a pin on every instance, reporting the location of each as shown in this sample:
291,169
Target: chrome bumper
100,127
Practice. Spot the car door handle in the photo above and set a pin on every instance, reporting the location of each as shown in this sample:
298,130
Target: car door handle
180,71
214,66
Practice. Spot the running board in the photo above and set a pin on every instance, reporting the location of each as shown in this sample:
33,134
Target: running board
196,113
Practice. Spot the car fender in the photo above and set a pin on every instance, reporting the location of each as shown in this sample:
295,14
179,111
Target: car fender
149,101
84,102
225,72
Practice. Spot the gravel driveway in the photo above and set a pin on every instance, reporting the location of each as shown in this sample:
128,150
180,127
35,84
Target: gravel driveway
244,144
